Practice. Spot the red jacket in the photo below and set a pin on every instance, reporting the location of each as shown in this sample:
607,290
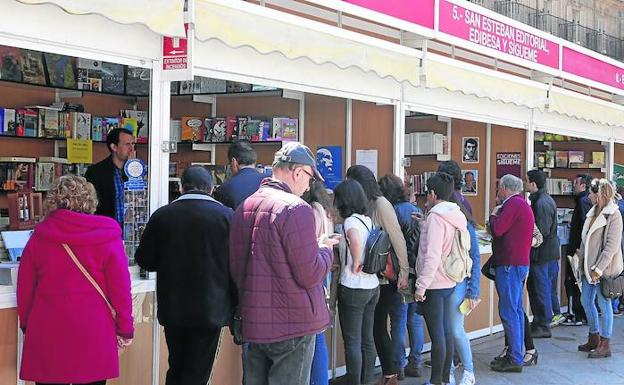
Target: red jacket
70,332
277,266
512,231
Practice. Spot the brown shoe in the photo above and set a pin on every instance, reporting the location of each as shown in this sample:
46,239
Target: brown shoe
602,351
592,343
392,380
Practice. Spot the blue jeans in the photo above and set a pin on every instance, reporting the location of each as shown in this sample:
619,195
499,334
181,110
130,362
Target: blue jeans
553,273
280,363
320,362
602,324
403,317
438,320
509,284
461,341
539,285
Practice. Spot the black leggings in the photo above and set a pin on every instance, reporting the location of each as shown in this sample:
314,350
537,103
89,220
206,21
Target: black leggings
90,383
383,341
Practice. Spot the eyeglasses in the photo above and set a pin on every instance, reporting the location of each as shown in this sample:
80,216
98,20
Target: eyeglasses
312,177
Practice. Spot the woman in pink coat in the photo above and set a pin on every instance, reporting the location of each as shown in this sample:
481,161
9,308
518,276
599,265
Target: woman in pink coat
70,334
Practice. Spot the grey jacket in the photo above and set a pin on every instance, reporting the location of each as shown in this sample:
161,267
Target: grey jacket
601,249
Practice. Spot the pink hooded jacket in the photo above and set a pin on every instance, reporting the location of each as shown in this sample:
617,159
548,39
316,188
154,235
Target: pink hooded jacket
436,239
70,334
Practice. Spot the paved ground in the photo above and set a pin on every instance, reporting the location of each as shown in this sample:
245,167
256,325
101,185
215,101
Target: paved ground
559,361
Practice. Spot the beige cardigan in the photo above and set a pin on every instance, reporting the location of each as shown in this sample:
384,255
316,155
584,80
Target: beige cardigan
382,213
595,255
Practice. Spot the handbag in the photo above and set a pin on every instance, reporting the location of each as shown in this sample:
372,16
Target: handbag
90,279
488,270
612,287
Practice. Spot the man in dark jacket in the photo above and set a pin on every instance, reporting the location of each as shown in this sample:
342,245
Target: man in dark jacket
279,266
184,243
108,176
544,258
245,178
582,207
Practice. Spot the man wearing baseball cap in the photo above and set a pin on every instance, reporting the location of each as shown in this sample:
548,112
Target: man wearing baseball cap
278,266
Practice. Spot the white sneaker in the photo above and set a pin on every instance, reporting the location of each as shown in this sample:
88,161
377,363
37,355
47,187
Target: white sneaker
452,376
468,378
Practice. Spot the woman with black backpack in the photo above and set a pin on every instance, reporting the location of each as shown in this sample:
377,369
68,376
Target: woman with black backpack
383,216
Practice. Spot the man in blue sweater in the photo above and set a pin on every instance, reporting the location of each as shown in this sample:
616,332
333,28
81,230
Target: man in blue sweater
245,179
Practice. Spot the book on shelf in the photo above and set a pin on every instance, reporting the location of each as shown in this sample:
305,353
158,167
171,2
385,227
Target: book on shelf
290,129
559,186
219,130
53,159
61,70
539,159
137,81
45,173
97,128
207,130
549,161
27,120
80,125
579,165
175,127
425,143
113,78
16,175
7,121
89,75
191,129
233,87
231,124
209,85
276,129
598,159
576,157
242,132
17,159
141,130
189,87
561,159
48,122
109,124
11,64
32,67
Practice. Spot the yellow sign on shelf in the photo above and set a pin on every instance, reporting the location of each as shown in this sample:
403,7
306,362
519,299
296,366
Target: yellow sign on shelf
79,151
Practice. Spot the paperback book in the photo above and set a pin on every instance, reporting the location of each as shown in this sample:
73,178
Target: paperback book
61,70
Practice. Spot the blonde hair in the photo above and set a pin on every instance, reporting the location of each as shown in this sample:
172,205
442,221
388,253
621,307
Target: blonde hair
605,191
73,193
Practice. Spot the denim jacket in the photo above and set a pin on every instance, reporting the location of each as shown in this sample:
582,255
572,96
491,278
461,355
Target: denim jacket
473,283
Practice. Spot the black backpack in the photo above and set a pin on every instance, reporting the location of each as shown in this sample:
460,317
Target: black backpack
377,249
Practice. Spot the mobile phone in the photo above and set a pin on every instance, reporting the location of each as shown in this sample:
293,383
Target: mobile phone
335,236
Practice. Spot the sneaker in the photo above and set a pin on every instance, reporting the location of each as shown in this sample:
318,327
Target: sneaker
452,377
412,370
468,378
428,363
506,366
557,320
572,321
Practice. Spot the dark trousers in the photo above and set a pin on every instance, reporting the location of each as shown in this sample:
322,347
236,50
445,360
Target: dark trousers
539,286
192,352
285,362
435,311
90,383
383,342
574,295
356,311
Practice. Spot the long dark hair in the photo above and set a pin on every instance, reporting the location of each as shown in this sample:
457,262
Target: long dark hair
463,209
349,198
318,193
393,189
366,179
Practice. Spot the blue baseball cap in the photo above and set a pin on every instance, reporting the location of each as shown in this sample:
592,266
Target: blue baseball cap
297,153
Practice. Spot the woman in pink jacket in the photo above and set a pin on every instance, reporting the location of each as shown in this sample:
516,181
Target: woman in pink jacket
71,336
433,286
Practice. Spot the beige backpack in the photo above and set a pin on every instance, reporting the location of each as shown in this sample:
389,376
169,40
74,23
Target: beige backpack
458,263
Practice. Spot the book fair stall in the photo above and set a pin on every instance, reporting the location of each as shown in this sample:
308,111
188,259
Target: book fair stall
379,83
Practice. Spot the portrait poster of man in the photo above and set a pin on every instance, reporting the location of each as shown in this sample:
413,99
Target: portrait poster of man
470,180
470,150
329,164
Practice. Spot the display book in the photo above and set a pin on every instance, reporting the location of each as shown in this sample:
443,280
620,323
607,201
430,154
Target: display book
136,215
62,120
568,159
425,143
27,173
418,182
229,128
47,69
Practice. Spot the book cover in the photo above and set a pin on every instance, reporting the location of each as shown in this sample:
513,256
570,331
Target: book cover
264,130
7,121
576,157
550,159
290,129
61,70
131,125
10,63
32,67
89,75
207,130
137,81
44,176
191,129
27,120
234,87
276,129
64,125
212,86
110,123
598,159
241,128
539,160
97,128
561,159
48,123
219,130
81,125
231,124
113,80
253,130
175,127
186,87
142,119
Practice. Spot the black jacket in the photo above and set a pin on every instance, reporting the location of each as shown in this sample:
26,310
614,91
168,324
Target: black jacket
186,243
545,212
102,175
239,187
582,207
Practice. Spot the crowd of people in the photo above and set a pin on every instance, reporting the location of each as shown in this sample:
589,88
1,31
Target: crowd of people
276,257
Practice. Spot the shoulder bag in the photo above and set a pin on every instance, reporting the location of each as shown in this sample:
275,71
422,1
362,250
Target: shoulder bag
611,287
90,279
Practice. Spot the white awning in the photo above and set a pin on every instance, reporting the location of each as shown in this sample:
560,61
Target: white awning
584,107
165,17
469,79
239,24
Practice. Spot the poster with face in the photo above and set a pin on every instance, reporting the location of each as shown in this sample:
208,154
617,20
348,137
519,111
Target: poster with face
470,150
329,164
470,180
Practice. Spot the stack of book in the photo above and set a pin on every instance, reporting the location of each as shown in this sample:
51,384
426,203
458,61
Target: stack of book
559,186
425,143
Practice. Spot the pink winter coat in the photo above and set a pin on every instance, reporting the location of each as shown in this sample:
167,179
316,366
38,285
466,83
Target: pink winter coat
70,335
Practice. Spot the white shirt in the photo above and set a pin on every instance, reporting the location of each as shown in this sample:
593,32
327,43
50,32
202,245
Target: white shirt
360,280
